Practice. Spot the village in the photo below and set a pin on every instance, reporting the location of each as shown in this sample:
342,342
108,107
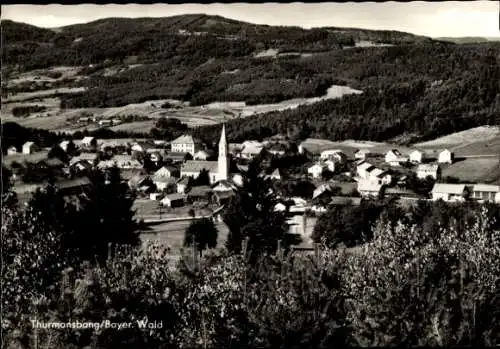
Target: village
176,179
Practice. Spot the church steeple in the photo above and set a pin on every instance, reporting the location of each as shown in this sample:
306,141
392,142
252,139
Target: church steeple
223,160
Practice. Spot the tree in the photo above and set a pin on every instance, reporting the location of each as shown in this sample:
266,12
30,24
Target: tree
347,224
101,215
202,179
201,234
251,215
58,153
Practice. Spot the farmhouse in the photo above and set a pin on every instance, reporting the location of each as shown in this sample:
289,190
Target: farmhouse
331,165
363,154
446,157
363,170
199,194
335,155
380,176
369,188
12,150
204,155
428,170
182,185
89,143
250,149
186,144
449,192
105,123
484,192
126,162
316,170
416,157
275,175
174,200
140,180
29,148
165,176
176,157
65,145
394,157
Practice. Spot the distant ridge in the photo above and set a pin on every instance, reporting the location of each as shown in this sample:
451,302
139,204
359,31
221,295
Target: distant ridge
468,39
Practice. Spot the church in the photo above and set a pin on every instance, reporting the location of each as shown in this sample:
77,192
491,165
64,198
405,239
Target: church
217,170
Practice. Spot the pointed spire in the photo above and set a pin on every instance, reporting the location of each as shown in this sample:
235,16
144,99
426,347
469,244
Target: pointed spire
223,134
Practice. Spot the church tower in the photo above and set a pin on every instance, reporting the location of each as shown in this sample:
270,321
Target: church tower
223,160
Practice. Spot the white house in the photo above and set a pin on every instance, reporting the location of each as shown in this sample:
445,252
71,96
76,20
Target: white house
126,162
426,170
204,155
485,192
416,157
250,149
275,175
363,170
186,144
380,176
89,143
316,170
105,123
29,148
449,192
394,157
165,176
12,150
334,155
362,154
331,165
64,145
174,200
446,157
369,188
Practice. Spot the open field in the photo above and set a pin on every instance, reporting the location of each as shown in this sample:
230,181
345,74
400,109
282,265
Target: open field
461,139
172,234
484,170
56,119
350,147
150,209
482,146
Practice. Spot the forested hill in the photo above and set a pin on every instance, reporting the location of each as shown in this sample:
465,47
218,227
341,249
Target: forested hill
412,93
157,39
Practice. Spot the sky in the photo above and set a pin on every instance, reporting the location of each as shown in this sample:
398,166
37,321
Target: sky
450,18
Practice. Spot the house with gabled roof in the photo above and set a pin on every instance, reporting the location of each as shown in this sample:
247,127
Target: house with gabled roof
186,144
11,150
395,158
369,188
484,192
363,154
428,170
450,192
417,156
363,170
446,157
30,148
89,143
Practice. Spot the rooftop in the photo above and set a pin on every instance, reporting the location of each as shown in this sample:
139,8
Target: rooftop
447,188
198,165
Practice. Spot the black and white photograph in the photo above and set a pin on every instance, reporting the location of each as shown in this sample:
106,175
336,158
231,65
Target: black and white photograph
250,175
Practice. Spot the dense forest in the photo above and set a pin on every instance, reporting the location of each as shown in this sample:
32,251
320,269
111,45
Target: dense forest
423,91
